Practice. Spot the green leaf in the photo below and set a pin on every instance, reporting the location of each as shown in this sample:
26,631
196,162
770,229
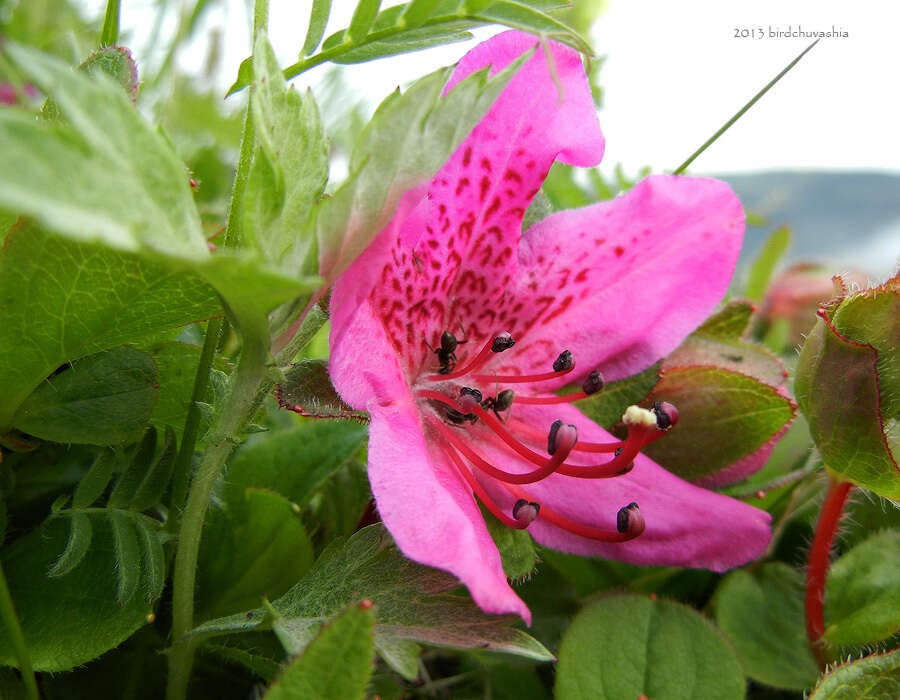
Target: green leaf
410,136
290,165
728,323
607,406
336,665
363,17
102,399
295,462
307,390
761,270
153,558
128,558
516,547
622,647
856,438
401,655
413,40
132,192
410,602
875,677
518,15
724,416
318,18
177,363
155,480
762,614
416,12
134,472
63,626
862,594
258,549
94,483
116,62
100,299
77,547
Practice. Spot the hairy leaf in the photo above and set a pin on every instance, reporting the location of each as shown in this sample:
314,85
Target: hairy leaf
79,543
875,677
307,390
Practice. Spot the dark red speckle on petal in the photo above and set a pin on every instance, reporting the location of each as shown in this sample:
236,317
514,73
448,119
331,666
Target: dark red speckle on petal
467,157
484,187
461,185
486,165
619,250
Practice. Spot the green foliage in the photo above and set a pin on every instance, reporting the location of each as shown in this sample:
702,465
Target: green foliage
852,352
102,399
410,602
875,677
249,550
63,626
622,647
307,390
337,663
862,594
517,550
762,615
318,18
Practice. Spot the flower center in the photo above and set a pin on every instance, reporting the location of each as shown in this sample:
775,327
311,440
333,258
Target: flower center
453,403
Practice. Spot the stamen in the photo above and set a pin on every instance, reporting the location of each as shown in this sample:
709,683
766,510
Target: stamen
591,385
633,519
483,496
546,468
525,511
666,415
562,365
499,343
536,434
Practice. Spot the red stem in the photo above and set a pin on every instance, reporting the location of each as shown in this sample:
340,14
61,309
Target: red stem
819,559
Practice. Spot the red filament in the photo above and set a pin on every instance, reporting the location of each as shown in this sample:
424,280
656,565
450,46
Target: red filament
480,360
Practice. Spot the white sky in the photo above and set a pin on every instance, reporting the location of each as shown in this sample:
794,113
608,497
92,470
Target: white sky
674,73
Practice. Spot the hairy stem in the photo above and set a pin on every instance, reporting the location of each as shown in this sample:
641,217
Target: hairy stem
14,630
235,414
819,559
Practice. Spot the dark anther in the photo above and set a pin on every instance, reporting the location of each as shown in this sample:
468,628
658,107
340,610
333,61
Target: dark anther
564,362
666,414
551,438
457,418
593,383
624,516
526,511
504,341
617,452
474,393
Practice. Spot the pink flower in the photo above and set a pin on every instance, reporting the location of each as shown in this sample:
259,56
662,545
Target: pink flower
418,316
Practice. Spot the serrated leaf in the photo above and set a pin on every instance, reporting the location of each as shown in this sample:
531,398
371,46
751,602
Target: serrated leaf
761,270
622,647
94,483
260,548
724,416
295,462
318,18
363,17
762,614
410,136
153,557
134,472
80,533
67,620
855,438
607,406
349,638
875,677
102,399
155,480
862,593
307,390
410,602
88,286
290,167
128,558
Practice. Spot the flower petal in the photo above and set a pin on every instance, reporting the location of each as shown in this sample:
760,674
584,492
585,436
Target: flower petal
625,281
430,512
686,525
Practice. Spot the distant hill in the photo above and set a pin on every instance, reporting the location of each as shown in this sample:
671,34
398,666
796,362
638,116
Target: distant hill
846,219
